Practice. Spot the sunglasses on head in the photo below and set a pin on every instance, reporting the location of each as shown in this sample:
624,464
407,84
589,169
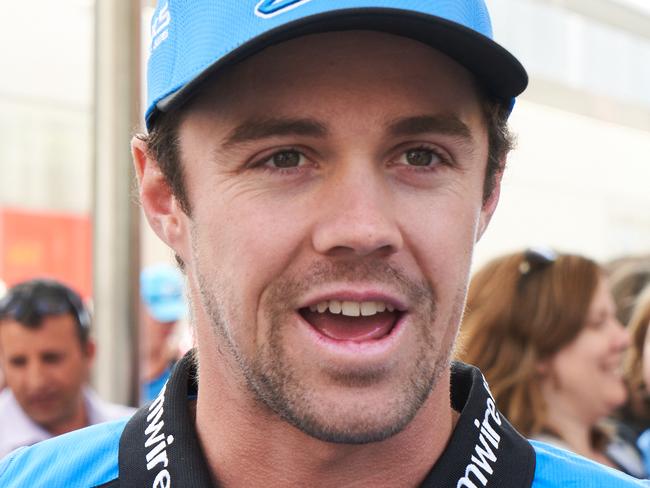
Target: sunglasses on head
43,298
534,260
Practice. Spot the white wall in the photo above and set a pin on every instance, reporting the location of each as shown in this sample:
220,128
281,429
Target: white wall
574,182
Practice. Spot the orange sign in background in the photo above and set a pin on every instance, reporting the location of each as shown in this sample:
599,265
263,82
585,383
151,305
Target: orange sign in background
46,244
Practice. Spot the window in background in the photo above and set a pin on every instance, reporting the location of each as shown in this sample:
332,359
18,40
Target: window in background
578,179
46,117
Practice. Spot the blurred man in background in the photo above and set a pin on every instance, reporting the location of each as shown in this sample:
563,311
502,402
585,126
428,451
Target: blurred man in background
46,353
161,290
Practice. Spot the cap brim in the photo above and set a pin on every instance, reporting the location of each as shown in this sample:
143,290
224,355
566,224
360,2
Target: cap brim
498,71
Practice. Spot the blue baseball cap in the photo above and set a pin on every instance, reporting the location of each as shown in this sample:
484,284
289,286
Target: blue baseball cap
191,39
161,289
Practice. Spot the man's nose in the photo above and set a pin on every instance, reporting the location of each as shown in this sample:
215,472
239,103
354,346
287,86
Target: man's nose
357,216
36,375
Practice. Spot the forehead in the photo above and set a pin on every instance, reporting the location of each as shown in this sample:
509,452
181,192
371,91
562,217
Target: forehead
602,297
311,73
56,332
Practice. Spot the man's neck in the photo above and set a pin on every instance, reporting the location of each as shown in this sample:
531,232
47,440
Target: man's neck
273,453
575,427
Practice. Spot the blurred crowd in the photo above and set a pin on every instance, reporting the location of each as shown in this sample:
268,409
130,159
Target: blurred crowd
560,338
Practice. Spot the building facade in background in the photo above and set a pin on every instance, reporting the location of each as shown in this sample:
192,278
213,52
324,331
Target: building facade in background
578,180
46,117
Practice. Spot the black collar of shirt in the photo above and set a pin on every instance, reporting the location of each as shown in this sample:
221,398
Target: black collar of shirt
159,446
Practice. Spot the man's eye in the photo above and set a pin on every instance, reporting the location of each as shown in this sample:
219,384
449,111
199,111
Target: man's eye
422,157
52,358
286,159
18,362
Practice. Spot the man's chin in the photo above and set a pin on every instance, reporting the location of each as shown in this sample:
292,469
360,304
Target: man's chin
344,406
353,430
44,417
353,415
47,422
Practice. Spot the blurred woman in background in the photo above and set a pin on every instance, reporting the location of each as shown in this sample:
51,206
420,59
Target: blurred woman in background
542,328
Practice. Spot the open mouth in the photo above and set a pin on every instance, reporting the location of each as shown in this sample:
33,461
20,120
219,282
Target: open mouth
614,368
352,321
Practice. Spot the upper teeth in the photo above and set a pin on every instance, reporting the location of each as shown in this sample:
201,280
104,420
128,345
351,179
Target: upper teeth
351,309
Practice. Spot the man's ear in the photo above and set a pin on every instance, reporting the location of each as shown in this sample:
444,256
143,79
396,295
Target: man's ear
160,206
90,350
490,203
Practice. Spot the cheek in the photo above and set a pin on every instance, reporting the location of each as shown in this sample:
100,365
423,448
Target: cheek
239,253
572,361
442,247
14,377
249,242
73,370
63,373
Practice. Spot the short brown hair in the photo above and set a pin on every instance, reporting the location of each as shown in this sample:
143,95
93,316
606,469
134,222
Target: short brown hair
517,317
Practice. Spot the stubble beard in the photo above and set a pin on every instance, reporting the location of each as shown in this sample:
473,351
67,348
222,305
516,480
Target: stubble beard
54,419
276,384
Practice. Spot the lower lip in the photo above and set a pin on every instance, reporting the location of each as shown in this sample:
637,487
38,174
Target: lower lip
375,347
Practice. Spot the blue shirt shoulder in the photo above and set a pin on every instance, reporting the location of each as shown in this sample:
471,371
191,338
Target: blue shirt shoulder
556,467
86,457
89,458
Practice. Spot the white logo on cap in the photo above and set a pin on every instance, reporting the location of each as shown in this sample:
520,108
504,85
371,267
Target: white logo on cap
159,26
271,8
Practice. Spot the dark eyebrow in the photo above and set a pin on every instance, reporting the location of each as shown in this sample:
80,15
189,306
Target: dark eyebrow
256,129
421,124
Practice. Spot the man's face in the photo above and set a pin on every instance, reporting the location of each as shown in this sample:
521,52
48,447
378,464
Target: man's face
45,368
155,334
596,353
336,191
